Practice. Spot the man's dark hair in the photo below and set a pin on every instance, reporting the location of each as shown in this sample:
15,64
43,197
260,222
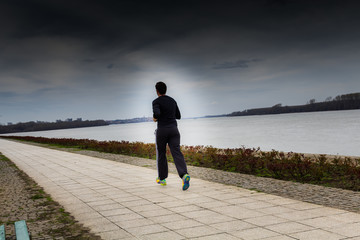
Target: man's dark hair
161,87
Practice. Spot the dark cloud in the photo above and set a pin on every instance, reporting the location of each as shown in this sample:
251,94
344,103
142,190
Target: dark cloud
137,25
89,60
72,45
236,64
4,95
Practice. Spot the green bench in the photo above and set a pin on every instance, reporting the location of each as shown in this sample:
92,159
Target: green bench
2,232
21,231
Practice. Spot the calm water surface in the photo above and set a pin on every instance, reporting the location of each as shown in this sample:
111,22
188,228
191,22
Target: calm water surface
335,132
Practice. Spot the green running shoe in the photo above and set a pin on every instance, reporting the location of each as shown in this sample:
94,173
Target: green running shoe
161,182
186,182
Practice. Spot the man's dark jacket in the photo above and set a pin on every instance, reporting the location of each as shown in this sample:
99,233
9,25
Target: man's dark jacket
166,111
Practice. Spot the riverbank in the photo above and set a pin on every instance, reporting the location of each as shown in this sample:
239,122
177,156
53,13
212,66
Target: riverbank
339,172
326,196
22,199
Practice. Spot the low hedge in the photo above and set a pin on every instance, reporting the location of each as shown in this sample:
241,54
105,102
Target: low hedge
339,172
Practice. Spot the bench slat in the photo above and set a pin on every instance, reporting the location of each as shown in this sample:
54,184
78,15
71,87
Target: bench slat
2,232
21,230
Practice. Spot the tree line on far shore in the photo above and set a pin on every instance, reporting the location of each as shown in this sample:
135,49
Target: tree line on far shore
340,102
43,126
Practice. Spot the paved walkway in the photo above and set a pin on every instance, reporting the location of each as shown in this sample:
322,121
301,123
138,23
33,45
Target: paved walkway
121,201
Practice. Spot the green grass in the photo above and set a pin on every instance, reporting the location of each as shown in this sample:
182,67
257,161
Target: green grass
37,196
256,190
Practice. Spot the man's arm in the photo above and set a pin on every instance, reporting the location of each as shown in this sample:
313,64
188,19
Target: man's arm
177,114
156,111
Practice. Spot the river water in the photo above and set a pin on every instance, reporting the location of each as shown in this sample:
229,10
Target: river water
333,132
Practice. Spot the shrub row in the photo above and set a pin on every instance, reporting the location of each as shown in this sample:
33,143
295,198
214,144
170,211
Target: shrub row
340,172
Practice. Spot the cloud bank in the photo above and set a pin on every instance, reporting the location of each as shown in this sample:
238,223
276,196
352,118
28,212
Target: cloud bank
101,59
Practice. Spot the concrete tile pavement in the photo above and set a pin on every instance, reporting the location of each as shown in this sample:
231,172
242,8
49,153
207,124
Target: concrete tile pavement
121,201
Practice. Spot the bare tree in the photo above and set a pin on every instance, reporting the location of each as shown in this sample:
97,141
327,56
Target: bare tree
312,101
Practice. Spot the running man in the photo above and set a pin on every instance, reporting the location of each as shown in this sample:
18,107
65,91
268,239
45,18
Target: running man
166,112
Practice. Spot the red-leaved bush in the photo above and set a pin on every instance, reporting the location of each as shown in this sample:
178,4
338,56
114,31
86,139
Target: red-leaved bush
340,172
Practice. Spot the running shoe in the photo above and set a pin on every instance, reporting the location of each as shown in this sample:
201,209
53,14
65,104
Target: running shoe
186,182
161,182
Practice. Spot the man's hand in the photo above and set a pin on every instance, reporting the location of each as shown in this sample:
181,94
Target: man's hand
154,119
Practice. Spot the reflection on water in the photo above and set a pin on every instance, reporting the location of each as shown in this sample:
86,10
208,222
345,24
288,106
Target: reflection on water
335,132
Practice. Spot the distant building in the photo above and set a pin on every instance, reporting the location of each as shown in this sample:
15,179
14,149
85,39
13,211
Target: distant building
9,123
79,119
58,121
69,119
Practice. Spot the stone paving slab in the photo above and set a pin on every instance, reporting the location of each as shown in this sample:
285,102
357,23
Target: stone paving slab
122,201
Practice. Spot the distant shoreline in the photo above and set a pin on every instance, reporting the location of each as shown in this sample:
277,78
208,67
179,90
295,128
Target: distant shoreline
340,103
47,126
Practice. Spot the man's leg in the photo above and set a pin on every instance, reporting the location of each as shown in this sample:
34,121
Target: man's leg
162,165
174,144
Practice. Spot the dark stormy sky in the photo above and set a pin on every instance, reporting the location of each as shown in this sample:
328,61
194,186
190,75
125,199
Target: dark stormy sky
101,59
